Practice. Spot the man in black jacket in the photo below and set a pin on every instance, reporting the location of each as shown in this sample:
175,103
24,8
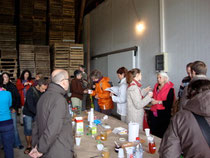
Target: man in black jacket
9,86
29,110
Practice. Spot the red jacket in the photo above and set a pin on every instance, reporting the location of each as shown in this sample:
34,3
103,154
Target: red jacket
20,88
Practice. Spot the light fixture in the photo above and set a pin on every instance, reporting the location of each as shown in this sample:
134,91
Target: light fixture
140,27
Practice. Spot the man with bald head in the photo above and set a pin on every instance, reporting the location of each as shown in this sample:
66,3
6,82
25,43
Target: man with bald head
52,130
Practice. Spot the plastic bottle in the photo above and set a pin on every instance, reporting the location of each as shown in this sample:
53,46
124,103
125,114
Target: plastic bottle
70,109
139,151
152,146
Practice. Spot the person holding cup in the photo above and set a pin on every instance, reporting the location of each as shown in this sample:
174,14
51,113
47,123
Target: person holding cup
137,98
163,99
77,90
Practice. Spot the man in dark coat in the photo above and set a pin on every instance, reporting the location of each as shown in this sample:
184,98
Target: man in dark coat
29,111
52,131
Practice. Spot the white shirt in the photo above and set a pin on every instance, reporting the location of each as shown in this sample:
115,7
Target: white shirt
121,98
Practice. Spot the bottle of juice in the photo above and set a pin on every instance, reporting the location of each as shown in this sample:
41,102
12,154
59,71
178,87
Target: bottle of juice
152,146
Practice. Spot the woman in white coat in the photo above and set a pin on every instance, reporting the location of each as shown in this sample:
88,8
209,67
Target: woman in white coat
136,97
121,97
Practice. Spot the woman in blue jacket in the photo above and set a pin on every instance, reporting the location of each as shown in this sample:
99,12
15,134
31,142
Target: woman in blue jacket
6,123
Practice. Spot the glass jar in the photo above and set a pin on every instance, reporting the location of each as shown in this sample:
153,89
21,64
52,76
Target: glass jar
105,153
103,136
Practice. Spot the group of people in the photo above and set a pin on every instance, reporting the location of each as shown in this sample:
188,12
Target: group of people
49,111
131,98
22,98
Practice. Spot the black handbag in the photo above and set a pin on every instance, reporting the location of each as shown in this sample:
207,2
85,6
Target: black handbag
204,126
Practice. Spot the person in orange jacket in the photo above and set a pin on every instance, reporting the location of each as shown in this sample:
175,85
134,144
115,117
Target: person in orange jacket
103,96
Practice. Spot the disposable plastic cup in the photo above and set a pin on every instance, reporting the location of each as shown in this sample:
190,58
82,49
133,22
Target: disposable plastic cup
147,131
78,140
90,91
121,153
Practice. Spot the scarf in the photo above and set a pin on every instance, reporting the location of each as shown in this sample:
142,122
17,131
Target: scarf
136,83
160,95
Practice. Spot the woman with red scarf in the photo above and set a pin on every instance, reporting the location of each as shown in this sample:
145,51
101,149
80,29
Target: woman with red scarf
137,98
163,98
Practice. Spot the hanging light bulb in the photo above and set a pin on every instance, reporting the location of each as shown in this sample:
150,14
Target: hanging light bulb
139,27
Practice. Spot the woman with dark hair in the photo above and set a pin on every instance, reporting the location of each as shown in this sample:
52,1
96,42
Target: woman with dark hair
23,84
9,86
6,123
77,90
163,99
184,135
137,98
121,97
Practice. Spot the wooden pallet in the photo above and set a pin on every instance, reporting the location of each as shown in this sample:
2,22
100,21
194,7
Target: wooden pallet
24,64
8,54
42,53
42,64
8,63
76,56
75,63
44,71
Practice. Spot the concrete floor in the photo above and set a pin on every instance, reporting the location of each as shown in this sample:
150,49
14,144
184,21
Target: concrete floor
18,153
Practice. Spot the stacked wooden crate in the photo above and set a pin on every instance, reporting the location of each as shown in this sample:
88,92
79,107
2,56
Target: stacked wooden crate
62,21
26,58
42,60
69,21
33,21
35,58
68,56
56,21
26,22
7,37
61,55
8,53
7,12
76,57
39,22
8,62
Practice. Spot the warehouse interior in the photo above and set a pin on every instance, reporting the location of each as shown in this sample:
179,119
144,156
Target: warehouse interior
43,35
31,32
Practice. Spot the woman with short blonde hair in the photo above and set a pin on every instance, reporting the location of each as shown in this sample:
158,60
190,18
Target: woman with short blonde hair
163,98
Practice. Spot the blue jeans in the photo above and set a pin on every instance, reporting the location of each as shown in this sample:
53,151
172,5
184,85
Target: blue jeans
7,137
27,122
17,142
96,106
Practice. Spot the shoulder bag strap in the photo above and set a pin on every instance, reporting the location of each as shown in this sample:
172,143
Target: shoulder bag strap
204,126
